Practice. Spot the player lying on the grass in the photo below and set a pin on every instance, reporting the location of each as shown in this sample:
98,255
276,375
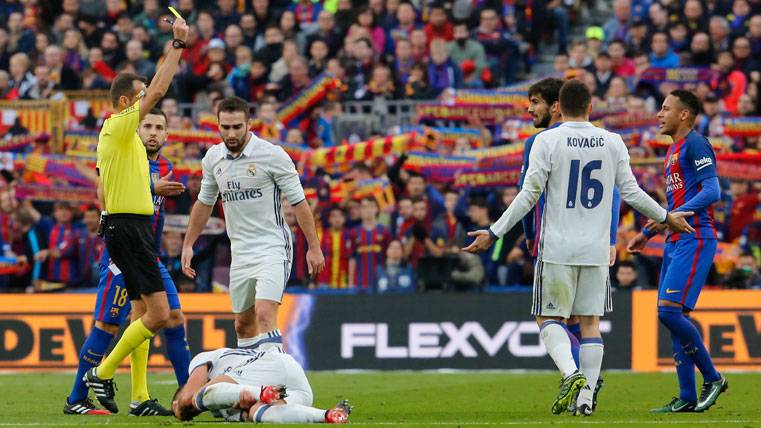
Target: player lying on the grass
112,305
249,385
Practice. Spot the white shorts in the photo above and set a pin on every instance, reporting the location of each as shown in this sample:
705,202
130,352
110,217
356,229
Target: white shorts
565,290
277,368
265,281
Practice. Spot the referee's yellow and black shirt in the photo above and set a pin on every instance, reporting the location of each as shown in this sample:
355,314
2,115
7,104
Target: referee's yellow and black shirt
123,164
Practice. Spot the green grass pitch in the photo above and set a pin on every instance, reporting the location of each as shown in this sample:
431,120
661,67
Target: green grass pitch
417,400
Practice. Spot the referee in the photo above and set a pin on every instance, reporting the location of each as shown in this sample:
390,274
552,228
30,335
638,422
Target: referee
123,166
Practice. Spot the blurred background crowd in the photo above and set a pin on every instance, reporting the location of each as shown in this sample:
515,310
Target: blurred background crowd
384,53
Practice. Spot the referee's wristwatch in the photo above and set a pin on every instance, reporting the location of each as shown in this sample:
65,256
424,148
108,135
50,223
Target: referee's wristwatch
178,44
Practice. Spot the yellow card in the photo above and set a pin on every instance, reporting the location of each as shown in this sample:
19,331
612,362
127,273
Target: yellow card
174,12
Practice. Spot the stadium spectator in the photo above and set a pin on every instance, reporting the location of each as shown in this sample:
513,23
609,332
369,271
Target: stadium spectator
395,276
661,55
745,274
462,48
368,241
90,246
438,26
626,278
336,244
618,25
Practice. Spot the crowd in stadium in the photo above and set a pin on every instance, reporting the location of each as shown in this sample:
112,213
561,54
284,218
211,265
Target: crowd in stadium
267,51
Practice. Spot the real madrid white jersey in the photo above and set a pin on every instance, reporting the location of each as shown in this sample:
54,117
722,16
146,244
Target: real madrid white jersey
251,186
577,165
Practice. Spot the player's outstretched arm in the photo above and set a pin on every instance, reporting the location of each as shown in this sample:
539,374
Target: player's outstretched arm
165,73
182,405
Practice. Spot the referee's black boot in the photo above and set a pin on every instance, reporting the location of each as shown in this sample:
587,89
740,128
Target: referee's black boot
104,389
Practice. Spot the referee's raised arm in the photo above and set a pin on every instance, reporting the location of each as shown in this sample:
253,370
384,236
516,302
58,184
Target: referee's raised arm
165,73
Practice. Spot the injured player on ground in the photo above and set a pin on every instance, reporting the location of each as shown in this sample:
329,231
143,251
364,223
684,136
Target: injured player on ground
249,385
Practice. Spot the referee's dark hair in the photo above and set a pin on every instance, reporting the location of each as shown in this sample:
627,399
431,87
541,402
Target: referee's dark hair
548,89
575,98
233,104
688,100
123,86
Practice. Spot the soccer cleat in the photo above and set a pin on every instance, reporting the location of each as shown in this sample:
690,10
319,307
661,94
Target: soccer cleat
710,393
569,388
676,405
583,410
84,407
272,393
149,408
339,414
598,387
104,389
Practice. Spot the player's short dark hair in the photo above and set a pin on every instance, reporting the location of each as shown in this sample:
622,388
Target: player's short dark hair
548,89
233,104
688,100
123,86
158,112
575,98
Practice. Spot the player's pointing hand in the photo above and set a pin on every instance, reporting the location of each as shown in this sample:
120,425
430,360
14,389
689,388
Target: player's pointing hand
482,242
677,223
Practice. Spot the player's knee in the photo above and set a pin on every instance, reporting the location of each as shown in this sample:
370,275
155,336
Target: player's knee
156,317
108,328
176,319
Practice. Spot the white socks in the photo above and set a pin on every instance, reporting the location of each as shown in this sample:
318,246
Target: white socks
222,395
590,360
558,345
288,414
268,339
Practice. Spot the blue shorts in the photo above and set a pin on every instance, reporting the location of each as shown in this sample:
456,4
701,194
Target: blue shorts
686,264
112,304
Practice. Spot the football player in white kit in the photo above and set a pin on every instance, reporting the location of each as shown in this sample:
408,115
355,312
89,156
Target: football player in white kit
576,165
249,385
252,175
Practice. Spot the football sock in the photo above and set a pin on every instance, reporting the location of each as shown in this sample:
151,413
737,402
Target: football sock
270,338
89,356
558,345
132,337
574,345
138,362
222,395
592,350
685,370
688,335
575,329
178,351
288,414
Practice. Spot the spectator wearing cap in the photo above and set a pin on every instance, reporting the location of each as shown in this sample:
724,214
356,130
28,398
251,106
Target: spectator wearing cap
701,54
365,26
739,18
618,25
443,73
622,65
225,15
438,26
718,29
661,55
327,31
731,83
595,37
216,53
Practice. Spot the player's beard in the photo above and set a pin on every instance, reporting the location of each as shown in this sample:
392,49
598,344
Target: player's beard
234,145
543,122
152,151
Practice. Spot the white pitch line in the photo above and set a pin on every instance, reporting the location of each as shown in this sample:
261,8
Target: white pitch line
459,423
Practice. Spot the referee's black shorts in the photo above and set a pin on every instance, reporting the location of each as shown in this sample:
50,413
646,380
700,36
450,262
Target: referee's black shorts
132,247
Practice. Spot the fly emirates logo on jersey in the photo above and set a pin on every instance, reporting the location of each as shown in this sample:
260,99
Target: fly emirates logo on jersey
235,193
445,339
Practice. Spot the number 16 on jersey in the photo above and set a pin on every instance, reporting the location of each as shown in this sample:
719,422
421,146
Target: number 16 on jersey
591,188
